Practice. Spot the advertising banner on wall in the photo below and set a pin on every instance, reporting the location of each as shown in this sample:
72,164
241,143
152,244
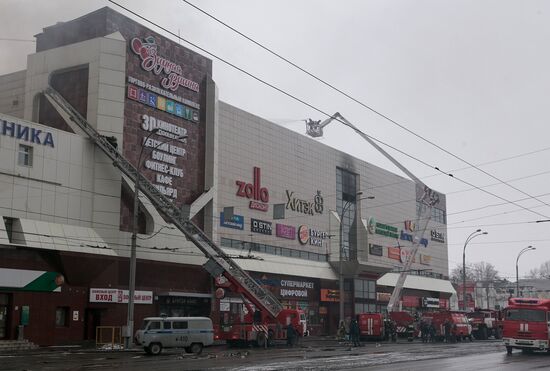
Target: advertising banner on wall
260,226
375,249
394,253
330,295
119,296
235,222
165,90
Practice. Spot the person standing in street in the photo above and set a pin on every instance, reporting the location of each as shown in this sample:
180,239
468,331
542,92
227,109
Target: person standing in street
290,335
355,332
447,327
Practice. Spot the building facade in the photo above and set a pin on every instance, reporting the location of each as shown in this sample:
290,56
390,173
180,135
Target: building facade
294,212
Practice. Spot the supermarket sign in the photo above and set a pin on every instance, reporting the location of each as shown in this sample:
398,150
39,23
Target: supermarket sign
117,296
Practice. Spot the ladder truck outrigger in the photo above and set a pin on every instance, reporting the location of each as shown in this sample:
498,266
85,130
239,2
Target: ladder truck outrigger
427,199
266,319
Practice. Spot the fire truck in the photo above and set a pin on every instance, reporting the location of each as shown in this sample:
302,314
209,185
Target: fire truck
486,323
458,322
527,324
371,326
405,324
264,318
426,199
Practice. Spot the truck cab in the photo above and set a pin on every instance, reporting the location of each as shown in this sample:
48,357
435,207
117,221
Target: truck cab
460,327
527,324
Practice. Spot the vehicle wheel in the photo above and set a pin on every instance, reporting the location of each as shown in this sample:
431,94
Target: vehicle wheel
196,348
261,340
508,350
187,349
147,350
155,348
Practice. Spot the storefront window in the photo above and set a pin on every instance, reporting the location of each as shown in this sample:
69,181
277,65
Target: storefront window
365,289
364,308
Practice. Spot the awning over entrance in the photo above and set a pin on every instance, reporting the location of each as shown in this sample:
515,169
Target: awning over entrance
417,283
284,265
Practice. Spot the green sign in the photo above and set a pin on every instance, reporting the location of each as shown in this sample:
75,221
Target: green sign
25,313
386,230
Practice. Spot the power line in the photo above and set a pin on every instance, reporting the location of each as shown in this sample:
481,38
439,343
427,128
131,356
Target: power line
364,105
312,106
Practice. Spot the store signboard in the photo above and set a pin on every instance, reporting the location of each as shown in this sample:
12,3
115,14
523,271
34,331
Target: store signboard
430,302
394,253
304,206
98,295
437,236
235,222
285,231
289,284
330,295
29,134
258,195
152,61
311,236
260,226
375,249
409,237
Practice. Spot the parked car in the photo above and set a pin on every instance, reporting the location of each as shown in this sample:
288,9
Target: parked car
190,333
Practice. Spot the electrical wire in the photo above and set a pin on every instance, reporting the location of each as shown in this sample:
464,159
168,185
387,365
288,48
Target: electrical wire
314,107
364,105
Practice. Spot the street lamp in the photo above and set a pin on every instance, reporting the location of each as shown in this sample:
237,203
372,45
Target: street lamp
525,249
132,283
340,258
470,237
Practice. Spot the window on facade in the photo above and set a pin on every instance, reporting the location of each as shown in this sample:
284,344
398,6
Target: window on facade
62,316
279,211
365,289
25,155
346,191
365,308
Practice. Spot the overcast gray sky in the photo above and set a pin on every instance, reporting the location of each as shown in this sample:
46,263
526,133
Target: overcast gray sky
471,76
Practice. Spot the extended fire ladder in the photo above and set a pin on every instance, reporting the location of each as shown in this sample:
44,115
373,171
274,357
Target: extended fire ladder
427,200
219,263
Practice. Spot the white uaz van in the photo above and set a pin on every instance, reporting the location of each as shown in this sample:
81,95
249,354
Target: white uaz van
190,333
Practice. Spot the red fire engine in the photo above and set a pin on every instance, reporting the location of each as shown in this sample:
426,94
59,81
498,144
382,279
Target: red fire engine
265,319
486,323
243,323
526,324
371,325
458,322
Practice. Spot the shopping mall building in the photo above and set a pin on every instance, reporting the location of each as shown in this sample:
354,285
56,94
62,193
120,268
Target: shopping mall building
269,196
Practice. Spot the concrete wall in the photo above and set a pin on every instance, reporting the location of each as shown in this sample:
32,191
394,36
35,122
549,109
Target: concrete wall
12,94
290,161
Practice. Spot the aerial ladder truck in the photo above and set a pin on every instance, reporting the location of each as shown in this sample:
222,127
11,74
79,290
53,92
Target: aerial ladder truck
427,199
266,319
